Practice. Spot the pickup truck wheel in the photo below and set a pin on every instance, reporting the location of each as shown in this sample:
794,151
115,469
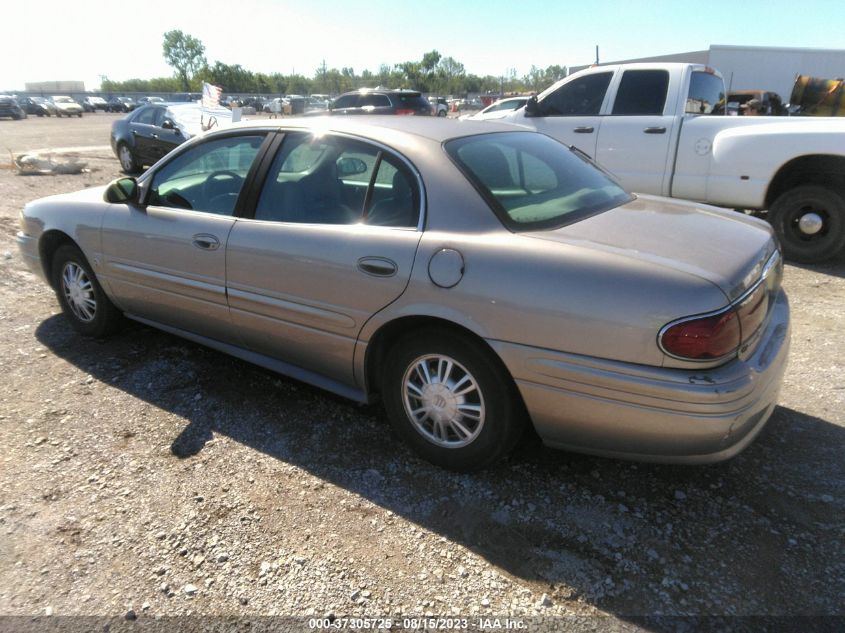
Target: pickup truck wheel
451,400
810,223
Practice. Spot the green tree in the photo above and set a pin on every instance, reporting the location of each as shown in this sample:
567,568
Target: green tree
185,53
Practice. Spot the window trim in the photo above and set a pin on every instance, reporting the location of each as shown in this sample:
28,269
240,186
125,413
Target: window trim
618,87
604,102
270,156
145,181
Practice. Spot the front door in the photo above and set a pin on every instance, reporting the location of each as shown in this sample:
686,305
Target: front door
166,260
332,242
571,114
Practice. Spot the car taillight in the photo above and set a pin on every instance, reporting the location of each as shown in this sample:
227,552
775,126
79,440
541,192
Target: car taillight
704,338
405,111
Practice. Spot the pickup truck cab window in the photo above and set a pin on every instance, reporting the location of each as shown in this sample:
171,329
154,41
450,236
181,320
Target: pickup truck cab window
580,97
706,93
641,92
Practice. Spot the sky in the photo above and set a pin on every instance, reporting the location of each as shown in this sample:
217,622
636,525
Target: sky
85,40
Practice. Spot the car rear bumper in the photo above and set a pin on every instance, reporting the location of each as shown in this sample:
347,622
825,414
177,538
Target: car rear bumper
644,413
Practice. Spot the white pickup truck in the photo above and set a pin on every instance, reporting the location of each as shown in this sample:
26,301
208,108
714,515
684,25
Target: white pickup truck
659,129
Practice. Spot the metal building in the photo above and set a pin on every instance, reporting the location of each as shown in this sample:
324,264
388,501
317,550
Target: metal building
759,67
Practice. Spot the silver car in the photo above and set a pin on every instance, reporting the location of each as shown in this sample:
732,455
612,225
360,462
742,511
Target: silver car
475,277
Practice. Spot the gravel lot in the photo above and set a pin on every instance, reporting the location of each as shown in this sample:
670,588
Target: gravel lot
147,474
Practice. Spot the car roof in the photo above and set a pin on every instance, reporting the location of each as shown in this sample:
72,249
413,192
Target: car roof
383,127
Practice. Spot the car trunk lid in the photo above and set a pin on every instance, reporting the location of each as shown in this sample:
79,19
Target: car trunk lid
684,236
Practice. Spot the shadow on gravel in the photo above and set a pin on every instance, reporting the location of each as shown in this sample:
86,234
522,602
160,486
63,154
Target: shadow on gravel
834,268
759,535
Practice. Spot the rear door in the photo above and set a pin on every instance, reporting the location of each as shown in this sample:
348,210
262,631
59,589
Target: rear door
144,134
633,143
318,259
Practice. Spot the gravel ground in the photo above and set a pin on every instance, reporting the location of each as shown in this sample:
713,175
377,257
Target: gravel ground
147,476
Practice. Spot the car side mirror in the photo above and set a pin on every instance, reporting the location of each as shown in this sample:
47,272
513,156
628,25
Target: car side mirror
168,124
532,108
349,166
122,190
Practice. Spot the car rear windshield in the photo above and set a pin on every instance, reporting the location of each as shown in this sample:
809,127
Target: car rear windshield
533,182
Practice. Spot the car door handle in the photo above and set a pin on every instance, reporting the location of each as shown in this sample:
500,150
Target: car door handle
206,242
655,130
587,129
377,266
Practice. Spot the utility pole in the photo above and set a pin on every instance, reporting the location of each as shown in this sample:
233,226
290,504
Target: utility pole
597,54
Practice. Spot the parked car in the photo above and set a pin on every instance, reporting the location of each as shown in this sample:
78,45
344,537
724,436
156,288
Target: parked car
9,107
376,101
412,260
38,106
498,109
151,131
147,100
65,106
439,106
122,104
95,103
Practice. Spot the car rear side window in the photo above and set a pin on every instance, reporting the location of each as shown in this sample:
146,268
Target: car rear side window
335,180
642,92
377,101
533,182
412,100
146,116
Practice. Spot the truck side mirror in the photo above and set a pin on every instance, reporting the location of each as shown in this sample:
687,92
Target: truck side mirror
532,108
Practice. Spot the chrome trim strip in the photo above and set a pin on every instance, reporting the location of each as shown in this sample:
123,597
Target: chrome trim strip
771,263
277,308
176,280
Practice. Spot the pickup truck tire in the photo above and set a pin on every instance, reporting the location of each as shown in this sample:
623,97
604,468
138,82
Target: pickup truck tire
810,222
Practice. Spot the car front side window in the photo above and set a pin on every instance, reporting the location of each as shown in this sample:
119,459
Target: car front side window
208,177
579,97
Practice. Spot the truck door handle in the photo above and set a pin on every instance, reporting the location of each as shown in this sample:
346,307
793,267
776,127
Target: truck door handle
377,266
587,129
206,242
655,130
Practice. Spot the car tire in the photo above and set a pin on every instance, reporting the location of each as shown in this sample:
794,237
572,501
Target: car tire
128,162
83,300
79,114
478,415
810,222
